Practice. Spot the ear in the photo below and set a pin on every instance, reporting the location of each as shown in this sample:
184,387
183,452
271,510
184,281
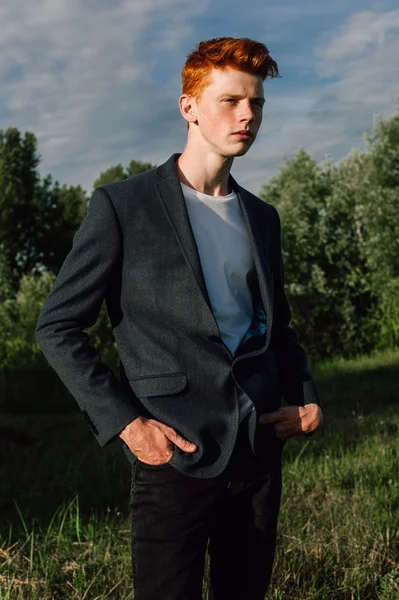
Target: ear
187,107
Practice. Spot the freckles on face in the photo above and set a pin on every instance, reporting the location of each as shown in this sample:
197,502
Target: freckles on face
232,102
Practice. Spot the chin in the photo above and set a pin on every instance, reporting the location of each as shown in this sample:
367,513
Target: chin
241,151
238,150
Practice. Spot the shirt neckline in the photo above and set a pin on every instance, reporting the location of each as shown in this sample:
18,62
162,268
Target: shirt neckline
196,192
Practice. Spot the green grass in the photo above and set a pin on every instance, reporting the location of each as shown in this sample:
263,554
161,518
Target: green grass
64,502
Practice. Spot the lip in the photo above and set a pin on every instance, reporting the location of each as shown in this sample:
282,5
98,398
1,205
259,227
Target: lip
244,133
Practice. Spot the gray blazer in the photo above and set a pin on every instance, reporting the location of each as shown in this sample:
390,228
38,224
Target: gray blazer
136,249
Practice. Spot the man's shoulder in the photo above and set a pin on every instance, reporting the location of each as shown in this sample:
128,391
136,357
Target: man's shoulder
127,191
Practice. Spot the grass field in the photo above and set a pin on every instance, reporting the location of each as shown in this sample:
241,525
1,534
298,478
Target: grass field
64,501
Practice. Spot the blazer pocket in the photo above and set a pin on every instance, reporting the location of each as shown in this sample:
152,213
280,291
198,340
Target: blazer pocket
159,385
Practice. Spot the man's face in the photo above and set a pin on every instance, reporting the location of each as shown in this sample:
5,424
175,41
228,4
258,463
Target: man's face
231,102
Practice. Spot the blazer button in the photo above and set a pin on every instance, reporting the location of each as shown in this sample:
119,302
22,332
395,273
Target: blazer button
90,423
216,339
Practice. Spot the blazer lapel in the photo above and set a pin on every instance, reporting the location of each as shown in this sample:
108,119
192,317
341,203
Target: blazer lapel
173,202
250,208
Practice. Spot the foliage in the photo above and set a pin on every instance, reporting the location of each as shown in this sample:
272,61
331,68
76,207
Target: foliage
114,173
324,271
61,211
6,288
389,314
381,208
64,501
37,218
118,172
340,239
18,181
19,315
390,585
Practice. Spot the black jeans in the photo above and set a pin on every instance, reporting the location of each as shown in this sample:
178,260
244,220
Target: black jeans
174,516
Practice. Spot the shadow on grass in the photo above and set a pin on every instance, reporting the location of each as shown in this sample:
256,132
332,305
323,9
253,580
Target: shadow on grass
48,459
61,459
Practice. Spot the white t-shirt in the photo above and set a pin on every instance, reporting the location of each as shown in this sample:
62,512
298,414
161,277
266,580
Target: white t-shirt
226,259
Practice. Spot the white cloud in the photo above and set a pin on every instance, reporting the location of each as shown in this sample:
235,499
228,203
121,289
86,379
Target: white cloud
362,33
81,78
98,81
330,119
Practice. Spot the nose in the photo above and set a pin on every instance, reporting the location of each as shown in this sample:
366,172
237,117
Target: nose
247,112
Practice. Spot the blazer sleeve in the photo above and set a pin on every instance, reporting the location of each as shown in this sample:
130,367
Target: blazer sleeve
73,305
297,384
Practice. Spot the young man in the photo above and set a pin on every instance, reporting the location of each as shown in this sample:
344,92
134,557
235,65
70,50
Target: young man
189,263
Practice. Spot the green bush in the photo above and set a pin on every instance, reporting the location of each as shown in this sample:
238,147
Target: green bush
340,241
19,316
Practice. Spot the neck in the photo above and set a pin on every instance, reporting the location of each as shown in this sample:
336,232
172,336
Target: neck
205,172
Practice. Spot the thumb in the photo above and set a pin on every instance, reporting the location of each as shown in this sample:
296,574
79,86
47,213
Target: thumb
179,441
271,417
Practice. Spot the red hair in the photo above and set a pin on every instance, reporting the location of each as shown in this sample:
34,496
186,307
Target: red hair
241,54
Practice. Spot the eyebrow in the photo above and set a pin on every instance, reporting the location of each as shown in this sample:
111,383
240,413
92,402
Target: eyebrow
238,97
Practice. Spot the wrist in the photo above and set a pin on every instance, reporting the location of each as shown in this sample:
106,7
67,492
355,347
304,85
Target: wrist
137,422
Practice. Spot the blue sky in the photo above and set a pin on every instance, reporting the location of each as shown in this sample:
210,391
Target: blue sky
98,81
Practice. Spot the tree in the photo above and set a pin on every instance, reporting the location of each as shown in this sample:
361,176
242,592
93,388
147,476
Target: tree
381,206
380,216
136,167
6,288
18,181
328,278
119,173
114,173
37,218
60,213
353,303
299,192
